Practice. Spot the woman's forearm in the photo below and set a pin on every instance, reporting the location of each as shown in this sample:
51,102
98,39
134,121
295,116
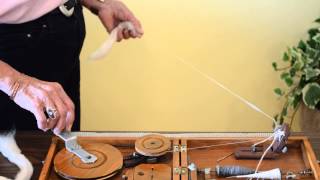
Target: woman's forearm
8,76
93,5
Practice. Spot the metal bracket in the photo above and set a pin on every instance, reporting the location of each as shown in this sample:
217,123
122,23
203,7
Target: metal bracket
73,147
183,148
180,170
178,148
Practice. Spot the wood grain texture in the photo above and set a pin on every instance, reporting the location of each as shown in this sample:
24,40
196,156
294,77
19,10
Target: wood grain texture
312,159
35,145
176,160
126,147
293,160
70,166
152,172
153,145
49,158
184,159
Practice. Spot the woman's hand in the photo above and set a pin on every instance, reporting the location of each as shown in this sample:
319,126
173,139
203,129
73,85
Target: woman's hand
113,12
36,96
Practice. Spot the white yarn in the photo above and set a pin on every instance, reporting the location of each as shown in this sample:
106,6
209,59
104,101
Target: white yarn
264,140
106,46
278,136
251,105
10,150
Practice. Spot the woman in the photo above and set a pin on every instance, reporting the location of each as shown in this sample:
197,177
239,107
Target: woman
40,43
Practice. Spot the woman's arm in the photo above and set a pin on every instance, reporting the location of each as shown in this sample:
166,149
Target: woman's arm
35,96
7,77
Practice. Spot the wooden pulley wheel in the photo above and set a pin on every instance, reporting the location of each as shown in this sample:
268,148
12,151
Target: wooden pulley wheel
153,145
152,172
109,162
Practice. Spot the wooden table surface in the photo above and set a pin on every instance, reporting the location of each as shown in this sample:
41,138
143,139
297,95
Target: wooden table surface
35,145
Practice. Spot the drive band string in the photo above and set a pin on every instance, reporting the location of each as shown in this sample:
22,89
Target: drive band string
278,134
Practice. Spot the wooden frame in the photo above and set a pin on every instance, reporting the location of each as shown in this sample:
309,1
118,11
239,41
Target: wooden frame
302,153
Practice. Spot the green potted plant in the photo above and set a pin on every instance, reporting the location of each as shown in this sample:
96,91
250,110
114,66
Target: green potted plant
300,70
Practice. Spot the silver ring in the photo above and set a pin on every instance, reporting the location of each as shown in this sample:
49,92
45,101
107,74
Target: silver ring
51,112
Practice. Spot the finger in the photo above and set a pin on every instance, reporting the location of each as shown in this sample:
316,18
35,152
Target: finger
133,34
136,23
49,103
70,120
40,116
70,108
119,36
61,123
125,33
58,92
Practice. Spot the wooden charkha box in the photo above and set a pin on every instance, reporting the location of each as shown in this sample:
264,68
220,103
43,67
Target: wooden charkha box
202,151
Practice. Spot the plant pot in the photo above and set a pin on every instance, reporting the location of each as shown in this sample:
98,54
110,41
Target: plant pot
310,119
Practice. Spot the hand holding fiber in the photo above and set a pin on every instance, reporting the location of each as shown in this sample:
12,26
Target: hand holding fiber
106,46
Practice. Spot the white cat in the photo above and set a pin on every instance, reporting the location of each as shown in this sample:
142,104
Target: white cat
10,150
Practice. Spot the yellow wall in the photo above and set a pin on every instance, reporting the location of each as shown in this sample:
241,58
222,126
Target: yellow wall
141,86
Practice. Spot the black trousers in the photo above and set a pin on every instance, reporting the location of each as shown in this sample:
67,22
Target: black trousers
47,48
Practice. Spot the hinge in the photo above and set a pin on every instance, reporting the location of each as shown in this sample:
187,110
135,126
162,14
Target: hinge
178,148
183,148
180,170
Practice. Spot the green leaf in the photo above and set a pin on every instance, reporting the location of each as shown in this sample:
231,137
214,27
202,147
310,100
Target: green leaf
316,38
311,95
278,91
312,43
285,57
311,52
292,72
311,73
297,59
285,75
302,45
312,32
275,66
308,60
298,64
317,20
297,91
288,81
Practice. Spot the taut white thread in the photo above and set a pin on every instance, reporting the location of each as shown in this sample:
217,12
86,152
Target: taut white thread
276,135
264,140
251,105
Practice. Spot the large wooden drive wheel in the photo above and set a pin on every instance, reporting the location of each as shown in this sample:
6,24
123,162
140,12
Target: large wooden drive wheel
109,162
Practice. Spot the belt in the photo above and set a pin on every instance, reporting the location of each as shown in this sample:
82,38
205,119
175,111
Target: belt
68,7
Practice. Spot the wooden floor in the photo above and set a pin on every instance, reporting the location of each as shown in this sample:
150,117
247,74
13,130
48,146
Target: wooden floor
35,145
